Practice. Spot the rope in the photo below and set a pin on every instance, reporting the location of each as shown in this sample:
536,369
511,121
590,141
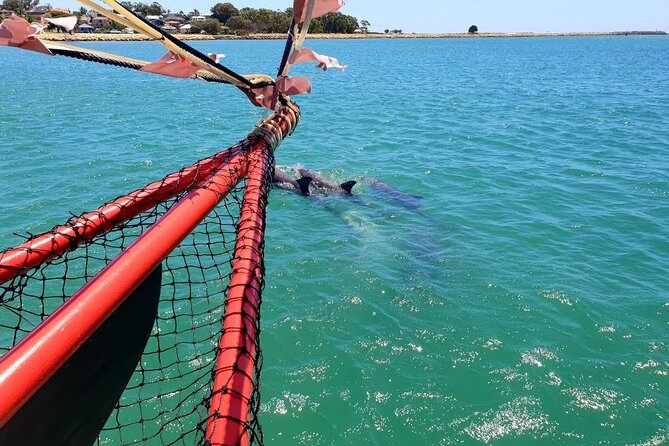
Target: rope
287,49
295,40
119,61
96,58
187,51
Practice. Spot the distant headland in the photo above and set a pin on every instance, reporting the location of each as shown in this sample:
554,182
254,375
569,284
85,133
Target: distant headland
281,36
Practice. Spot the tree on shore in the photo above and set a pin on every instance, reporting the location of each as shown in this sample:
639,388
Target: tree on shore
223,11
56,14
473,29
364,25
338,23
19,6
240,25
209,26
241,21
155,8
266,20
144,9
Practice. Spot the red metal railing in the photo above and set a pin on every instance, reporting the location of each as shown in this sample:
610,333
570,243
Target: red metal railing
63,238
236,362
36,358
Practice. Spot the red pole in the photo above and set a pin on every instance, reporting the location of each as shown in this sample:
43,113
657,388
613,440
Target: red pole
61,239
234,375
34,360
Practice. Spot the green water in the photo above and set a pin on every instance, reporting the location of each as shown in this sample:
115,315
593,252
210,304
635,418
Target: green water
522,300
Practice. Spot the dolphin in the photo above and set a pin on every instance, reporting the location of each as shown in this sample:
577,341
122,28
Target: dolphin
325,185
282,179
405,200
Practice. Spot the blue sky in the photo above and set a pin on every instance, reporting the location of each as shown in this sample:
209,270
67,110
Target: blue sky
488,15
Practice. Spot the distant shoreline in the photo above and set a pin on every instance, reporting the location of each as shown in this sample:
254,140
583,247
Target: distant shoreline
139,37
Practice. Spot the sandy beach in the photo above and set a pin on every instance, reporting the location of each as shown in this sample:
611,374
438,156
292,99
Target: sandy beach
139,37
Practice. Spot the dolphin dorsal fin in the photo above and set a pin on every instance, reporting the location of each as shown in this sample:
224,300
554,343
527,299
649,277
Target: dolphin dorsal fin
347,186
304,183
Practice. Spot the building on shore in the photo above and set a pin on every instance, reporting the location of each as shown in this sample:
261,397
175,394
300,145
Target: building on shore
36,12
86,28
100,22
155,20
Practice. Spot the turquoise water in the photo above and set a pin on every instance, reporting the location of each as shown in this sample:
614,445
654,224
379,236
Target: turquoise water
523,300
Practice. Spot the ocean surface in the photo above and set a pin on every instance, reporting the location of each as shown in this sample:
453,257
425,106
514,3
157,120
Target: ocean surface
507,284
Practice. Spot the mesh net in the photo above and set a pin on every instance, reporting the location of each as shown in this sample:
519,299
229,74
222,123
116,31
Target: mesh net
167,400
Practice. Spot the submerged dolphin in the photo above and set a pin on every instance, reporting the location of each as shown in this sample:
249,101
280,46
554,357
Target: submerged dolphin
325,185
405,200
282,179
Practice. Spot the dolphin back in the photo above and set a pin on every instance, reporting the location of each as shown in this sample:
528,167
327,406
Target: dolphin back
281,177
403,199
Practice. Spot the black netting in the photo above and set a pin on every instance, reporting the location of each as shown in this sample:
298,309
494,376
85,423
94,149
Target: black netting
167,399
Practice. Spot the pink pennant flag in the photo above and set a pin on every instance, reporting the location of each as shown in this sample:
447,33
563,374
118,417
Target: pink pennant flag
268,96
293,85
173,65
321,7
323,62
17,32
264,97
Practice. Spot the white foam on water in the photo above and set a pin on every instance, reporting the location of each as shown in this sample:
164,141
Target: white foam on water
514,419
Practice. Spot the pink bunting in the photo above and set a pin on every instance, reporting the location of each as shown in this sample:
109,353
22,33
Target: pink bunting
17,32
323,62
321,7
268,96
293,85
173,65
264,97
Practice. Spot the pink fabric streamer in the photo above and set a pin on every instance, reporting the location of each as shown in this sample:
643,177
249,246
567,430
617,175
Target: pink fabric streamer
173,65
293,85
321,7
323,62
17,32
267,96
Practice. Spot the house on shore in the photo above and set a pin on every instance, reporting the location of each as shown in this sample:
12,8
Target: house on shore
100,22
86,28
37,13
97,20
155,20
175,18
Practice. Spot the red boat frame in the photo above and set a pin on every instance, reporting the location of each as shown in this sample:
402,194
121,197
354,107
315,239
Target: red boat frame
35,359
